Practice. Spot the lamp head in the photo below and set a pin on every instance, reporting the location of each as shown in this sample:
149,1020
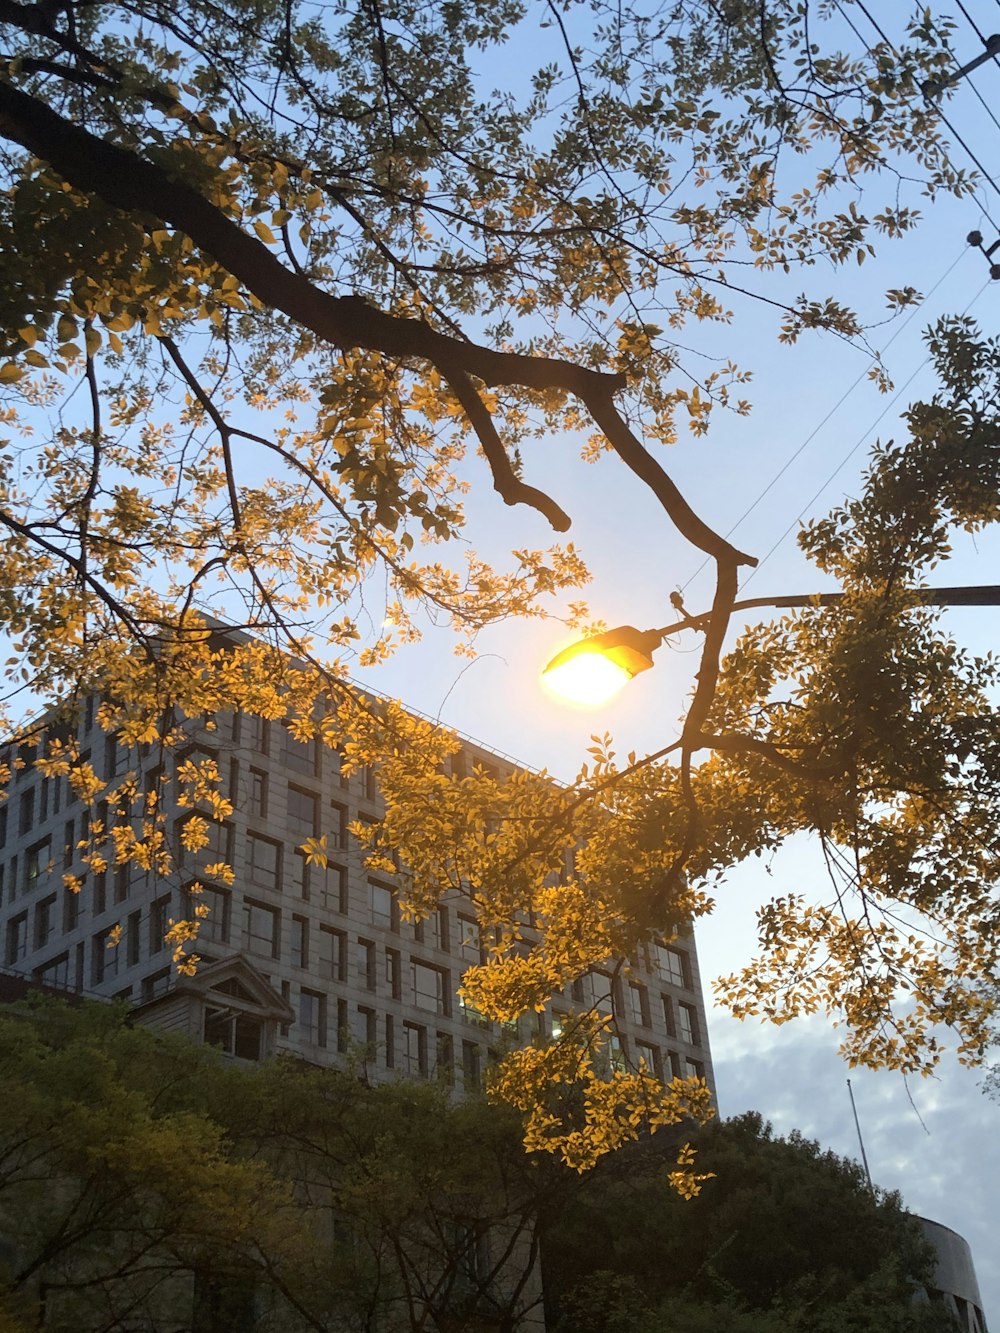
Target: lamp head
592,671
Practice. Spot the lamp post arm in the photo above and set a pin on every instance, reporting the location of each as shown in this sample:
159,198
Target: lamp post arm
987,594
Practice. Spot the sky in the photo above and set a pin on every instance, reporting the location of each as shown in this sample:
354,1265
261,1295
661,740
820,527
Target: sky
800,452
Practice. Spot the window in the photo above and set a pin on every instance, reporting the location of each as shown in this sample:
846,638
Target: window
638,1005
132,939
414,1050
336,889
668,1016
257,731
104,958
332,953
649,1056
470,1014
336,834
428,988
343,1027
159,924
262,929
300,941
469,942
37,862
687,1024
433,930
672,965
26,811
3,825
235,1033
265,856
381,905
121,884
364,1027
393,974
366,963
54,973
17,939
674,1060
616,1055
71,909
218,848
69,846
258,793
45,912
390,1042
159,983
100,893
215,922
79,960
694,1069
302,813
444,1063
299,756
597,992
367,782
301,875
472,1066
312,1017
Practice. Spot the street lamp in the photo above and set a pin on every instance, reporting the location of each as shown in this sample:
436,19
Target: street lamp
592,671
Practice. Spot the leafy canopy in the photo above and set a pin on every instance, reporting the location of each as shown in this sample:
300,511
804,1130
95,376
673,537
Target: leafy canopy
288,277
148,1179
784,1236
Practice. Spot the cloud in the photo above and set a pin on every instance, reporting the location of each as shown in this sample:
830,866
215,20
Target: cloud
939,1153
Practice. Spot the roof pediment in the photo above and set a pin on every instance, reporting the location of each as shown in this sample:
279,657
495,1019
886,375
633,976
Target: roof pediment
236,980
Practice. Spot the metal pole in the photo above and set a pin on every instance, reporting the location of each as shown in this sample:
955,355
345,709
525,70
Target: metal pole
857,1125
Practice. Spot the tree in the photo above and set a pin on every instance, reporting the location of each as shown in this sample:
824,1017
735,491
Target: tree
115,1188
144,1176
278,271
783,1236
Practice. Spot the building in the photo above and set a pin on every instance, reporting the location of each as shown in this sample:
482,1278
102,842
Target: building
956,1288
314,962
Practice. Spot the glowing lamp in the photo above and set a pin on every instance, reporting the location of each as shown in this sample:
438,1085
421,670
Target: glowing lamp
592,671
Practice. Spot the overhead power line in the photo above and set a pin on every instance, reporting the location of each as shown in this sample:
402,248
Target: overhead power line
851,452
863,374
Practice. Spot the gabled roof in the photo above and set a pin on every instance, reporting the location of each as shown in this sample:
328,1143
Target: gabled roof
235,982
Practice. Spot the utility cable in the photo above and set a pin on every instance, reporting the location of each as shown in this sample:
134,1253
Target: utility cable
835,408
860,441
940,110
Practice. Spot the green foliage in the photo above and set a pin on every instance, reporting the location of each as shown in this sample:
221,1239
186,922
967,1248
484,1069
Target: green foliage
142,1172
785,1236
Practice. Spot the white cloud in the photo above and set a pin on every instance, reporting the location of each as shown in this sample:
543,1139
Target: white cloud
946,1168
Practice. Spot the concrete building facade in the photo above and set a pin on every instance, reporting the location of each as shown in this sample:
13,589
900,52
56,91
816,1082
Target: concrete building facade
314,962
